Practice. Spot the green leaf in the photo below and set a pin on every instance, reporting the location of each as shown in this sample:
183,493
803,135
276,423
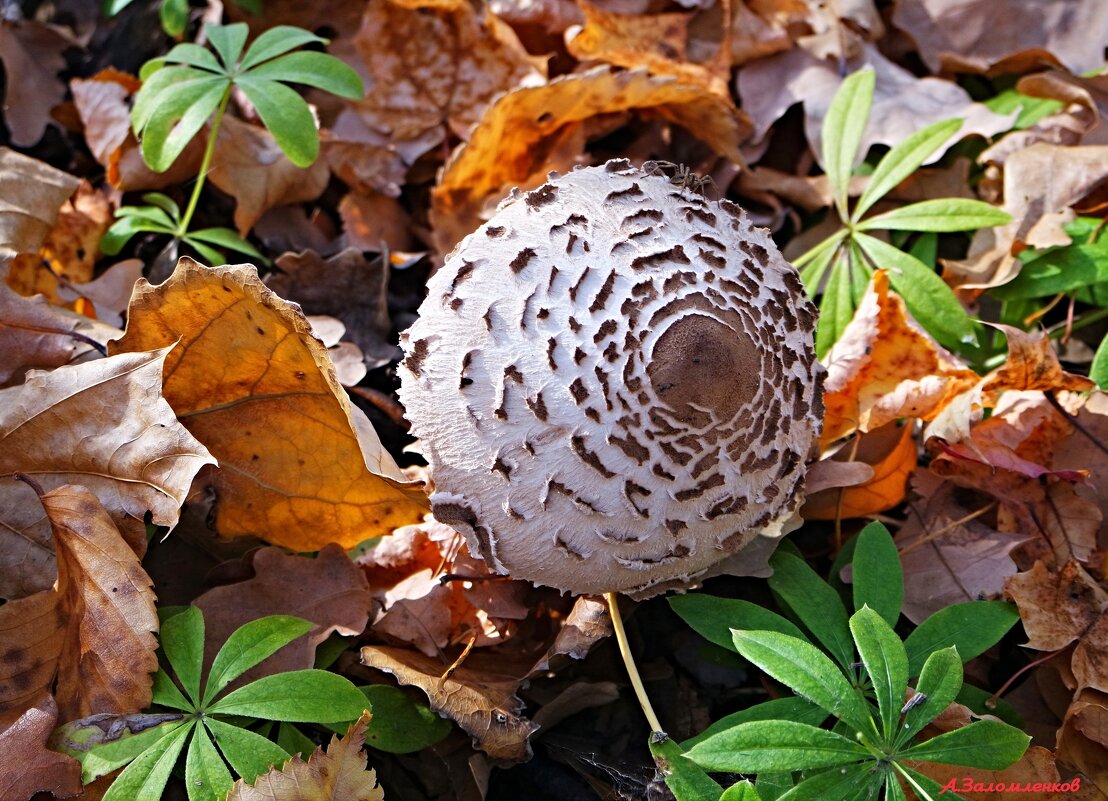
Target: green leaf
1031,109
182,639
772,786
813,601
983,702
299,696
684,778
987,744
812,274
836,785
252,7
927,296
893,790
113,7
818,250
940,680
174,16
168,87
275,41
168,132
1060,270
206,775
878,575
250,754
228,41
842,131
742,791
84,741
146,777
775,745
1098,371
250,644
713,618
860,274
224,237
940,215
902,161
287,117
836,307
926,249
811,674
121,231
195,56
886,663
798,710
313,69
165,693
294,741
152,214
210,254
399,724
971,627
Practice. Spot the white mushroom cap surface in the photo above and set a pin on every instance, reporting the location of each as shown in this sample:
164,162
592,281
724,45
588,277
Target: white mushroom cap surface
614,383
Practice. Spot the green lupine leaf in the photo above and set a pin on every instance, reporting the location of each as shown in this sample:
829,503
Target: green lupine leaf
299,696
399,724
685,779
168,132
206,775
813,601
101,758
932,788
813,272
929,299
842,131
182,639
940,680
174,16
940,215
248,645
860,273
113,7
775,745
1098,371
713,618
208,254
286,115
121,231
195,56
165,693
809,672
252,7
772,786
886,663
877,573
835,785
146,777
163,202
1031,109
152,214
742,791
294,741
250,754
166,80
987,744
818,250
903,160
224,237
972,627
836,308
228,41
983,702
1061,270
798,710
313,69
275,41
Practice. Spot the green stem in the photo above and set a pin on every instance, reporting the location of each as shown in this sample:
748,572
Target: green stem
205,164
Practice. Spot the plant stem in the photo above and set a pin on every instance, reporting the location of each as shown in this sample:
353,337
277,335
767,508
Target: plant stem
205,164
629,663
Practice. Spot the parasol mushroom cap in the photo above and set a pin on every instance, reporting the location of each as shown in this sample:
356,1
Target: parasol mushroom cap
614,383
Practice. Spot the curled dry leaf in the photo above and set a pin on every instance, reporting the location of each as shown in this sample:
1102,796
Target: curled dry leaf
508,147
297,467
891,451
33,194
478,696
587,623
337,774
1083,740
329,590
109,293
104,425
345,356
885,367
28,766
32,56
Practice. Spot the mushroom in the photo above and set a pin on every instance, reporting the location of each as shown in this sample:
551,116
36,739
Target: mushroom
614,383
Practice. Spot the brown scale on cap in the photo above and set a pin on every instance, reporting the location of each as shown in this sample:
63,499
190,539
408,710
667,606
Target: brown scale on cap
615,385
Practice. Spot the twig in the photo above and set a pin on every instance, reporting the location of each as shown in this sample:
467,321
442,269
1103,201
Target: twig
383,403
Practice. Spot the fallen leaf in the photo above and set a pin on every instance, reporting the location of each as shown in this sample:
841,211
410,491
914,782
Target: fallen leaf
886,367
1036,766
477,695
33,194
109,293
347,357
337,774
1083,448
375,223
104,425
587,623
297,468
755,35
32,56
249,167
510,145
891,451
365,160
329,590
550,16
28,766
30,643
1083,740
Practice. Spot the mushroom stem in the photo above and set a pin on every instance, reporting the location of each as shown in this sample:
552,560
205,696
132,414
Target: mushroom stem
629,663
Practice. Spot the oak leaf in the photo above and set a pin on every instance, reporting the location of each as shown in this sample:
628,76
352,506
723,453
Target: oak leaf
33,193
337,774
299,467
104,425
28,766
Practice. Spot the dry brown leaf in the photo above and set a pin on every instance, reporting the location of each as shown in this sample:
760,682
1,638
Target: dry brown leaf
109,293
511,144
754,35
587,623
969,35
885,367
432,71
32,56
33,193
347,357
549,16
30,642
891,451
329,590
104,425
1083,449
1083,740
337,774
298,468
28,766
250,167
375,223
478,696
1036,766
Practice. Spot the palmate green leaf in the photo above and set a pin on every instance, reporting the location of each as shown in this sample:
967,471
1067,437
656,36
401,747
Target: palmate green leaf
808,672
163,202
775,745
250,754
248,645
166,89
713,618
195,56
972,627
165,693
294,741
860,274
927,296
902,161
206,774
877,573
224,237
1098,370
228,41
146,777
813,601
98,760
842,130
836,307
741,791
820,249
286,115
836,784
940,215
1062,270
795,709
313,69
209,254
275,41
182,639
399,724
886,663
987,744
174,16
772,786
168,131
123,229
685,779
812,273
925,786
940,680
151,214
299,696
